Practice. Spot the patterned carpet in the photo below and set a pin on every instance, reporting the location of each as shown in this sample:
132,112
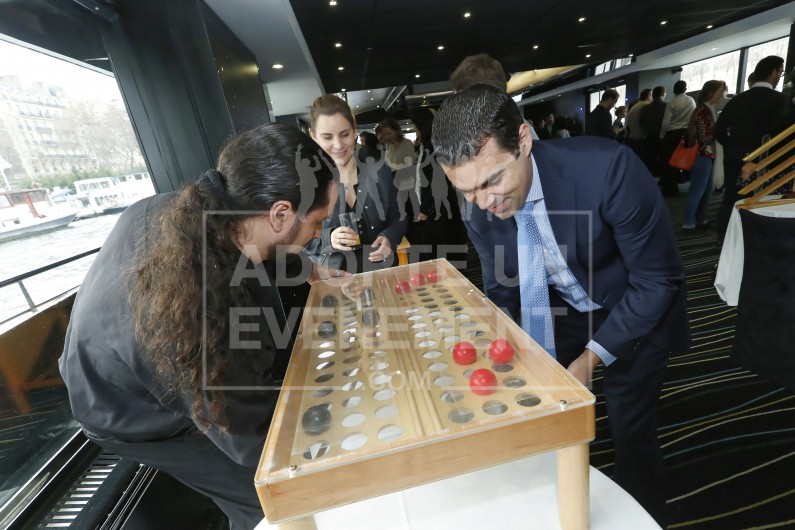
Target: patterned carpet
728,435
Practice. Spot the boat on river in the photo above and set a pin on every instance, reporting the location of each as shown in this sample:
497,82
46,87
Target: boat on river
27,212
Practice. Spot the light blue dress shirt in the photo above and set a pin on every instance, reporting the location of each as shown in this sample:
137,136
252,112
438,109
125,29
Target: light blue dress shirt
558,273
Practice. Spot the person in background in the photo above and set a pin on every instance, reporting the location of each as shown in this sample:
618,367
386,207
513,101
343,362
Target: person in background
598,122
636,138
651,119
483,69
399,150
545,132
401,159
718,180
746,121
700,131
618,291
369,146
618,125
439,228
164,360
675,121
365,189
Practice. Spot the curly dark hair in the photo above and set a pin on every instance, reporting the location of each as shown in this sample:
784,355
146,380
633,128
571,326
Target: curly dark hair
181,290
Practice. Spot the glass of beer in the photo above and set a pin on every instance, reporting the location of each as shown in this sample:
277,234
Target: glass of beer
350,220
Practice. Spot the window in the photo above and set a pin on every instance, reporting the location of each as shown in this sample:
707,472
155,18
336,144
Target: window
760,51
91,124
724,67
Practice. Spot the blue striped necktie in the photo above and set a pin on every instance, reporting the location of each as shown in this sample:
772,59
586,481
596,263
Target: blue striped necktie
534,292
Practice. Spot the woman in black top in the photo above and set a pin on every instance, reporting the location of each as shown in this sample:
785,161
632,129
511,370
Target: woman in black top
365,189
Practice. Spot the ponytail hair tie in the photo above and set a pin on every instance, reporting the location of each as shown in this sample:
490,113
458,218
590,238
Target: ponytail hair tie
215,181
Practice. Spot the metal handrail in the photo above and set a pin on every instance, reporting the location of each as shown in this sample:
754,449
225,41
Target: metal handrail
26,275
18,279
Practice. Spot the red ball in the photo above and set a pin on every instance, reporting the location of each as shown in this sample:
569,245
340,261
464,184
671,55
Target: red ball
417,280
464,353
402,288
432,276
483,382
501,351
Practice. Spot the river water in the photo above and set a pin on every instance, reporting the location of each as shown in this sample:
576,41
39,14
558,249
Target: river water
22,255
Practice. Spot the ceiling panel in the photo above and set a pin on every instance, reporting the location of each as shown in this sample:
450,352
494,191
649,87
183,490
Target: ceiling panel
391,42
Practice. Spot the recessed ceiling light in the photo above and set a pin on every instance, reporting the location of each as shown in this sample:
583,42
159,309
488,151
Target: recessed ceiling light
357,106
709,27
371,99
467,14
277,66
340,68
342,89
332,2
338,45
416,75
440,47
587,55
535,47
368,91
632,55
581,19
664,22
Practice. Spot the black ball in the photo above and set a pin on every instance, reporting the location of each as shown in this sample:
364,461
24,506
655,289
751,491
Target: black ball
368,297
330,301
326,329
317,419
370,318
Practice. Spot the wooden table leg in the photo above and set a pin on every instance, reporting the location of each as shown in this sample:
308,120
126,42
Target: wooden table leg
573,498
304,523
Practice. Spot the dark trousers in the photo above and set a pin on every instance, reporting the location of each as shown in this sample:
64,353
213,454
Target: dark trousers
731,173
198,463
632,389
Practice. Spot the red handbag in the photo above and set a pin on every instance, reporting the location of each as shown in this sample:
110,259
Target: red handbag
684,157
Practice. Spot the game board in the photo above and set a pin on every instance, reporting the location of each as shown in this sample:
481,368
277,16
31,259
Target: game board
375,400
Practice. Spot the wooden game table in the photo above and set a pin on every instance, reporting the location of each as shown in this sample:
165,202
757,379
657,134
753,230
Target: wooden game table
373,401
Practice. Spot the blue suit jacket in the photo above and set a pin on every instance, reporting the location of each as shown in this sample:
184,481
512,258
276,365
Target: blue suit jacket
617,238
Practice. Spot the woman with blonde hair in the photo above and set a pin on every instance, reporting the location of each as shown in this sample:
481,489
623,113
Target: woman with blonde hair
366,190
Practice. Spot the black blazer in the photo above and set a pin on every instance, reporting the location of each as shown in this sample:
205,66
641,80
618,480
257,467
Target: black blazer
747,118
377,207
606,211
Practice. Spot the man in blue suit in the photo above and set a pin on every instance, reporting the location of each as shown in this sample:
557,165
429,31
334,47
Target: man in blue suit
615,279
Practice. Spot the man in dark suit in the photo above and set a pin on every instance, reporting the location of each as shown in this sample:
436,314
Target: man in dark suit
599,122
744,124
651,118
614,275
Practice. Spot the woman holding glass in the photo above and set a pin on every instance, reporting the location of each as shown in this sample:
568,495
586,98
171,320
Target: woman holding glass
365,222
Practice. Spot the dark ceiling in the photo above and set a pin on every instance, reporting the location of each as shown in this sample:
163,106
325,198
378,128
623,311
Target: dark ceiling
388,42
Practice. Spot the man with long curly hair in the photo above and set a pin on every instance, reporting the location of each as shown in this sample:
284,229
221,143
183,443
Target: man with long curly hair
170,352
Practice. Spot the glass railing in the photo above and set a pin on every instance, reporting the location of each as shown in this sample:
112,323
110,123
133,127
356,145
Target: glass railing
35,418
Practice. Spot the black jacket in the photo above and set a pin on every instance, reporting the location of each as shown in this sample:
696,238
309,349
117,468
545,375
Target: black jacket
748,118
113,390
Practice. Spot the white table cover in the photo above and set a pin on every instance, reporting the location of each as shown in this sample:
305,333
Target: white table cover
517,495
